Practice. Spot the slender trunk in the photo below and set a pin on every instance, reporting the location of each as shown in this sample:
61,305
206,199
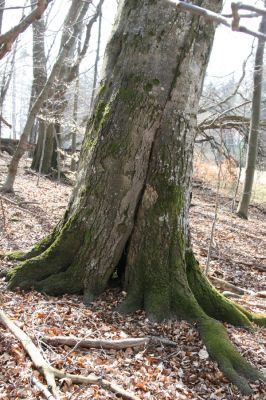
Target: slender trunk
97,58
251,162
2,6
14,108
39,64
75,123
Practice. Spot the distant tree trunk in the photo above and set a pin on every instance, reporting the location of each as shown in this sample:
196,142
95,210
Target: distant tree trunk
46,161
35,109
58,102
73,165
14,108
5,83
39,63
242,210
97,59
129,210
2,6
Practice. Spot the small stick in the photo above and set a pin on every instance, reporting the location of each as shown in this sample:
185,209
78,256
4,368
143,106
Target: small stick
119,344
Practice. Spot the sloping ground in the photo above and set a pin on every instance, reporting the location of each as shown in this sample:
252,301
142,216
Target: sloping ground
156,372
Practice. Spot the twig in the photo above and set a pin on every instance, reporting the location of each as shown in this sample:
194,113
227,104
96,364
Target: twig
2,119
51,373
220,19
118,344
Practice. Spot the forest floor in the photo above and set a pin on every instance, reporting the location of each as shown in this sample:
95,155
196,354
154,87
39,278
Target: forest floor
157,372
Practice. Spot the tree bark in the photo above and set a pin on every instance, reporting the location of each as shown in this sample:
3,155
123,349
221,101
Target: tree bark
57,98
242,210
129,210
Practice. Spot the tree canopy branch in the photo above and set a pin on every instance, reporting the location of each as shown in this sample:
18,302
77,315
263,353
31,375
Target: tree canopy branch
7,39
220,19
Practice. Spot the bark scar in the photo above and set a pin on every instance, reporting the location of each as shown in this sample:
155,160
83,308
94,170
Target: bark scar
150,197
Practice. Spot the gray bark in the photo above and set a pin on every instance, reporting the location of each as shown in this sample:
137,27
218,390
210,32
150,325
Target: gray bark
68,72
2,6
242,210
97,58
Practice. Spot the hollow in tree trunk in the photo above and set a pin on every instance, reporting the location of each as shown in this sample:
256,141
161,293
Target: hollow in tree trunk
129,210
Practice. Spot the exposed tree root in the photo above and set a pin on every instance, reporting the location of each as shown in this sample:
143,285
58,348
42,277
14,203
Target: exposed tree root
51,373
213,303
119,344
231,363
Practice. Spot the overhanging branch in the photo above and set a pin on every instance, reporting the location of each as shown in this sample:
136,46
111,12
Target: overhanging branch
8,38
234,24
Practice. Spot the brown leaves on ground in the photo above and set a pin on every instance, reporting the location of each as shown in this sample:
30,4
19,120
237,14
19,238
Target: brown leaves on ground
161,373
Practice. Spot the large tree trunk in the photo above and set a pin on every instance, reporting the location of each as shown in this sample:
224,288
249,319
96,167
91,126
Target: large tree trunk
129,209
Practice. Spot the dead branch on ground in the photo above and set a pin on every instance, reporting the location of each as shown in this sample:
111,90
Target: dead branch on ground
119,344
51,373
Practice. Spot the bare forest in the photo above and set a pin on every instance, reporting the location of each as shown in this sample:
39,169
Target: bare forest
132,199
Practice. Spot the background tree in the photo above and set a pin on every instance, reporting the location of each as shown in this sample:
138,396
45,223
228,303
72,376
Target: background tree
251,162
57,102
74,15
129,210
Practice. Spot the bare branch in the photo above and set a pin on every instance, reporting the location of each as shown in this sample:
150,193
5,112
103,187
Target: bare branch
118,344
8,38
220,19
247,7
15,8
2,119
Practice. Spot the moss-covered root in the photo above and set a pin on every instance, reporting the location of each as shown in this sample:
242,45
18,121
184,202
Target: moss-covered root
214,303
231,363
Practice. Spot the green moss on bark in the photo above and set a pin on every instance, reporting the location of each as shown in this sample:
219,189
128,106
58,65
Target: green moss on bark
55,258
212,302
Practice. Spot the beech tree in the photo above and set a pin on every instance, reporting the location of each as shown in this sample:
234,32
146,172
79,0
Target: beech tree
129,209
